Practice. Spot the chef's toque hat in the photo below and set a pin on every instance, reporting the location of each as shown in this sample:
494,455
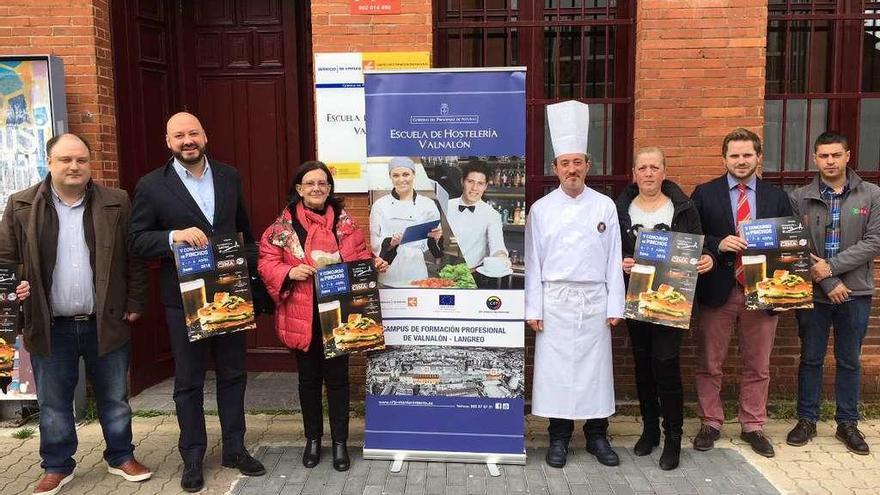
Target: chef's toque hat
569,124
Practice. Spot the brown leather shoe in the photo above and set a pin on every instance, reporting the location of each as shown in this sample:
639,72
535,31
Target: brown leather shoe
760,444
131,470
849,434
705,439
52,483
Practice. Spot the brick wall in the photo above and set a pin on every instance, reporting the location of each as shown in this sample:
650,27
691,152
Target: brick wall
698,76
78,31
696,79
335,30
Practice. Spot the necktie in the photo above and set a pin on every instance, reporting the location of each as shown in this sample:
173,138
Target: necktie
463,207
743,213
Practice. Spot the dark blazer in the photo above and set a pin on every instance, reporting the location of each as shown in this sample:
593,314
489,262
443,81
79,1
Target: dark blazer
29,235
712,200
162,204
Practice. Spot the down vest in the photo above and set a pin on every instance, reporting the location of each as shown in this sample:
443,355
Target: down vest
281,250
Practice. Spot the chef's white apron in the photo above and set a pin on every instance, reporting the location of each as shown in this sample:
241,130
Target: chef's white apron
573,369
409,263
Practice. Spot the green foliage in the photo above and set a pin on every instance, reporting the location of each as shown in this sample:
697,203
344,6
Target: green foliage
91,412
461,274
24,433
149,413
272,412
358,409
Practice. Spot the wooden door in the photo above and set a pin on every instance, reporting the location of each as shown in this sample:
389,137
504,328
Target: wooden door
240,71
146,93
244,68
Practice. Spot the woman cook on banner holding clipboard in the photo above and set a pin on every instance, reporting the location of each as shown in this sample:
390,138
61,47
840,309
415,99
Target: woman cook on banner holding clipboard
391,215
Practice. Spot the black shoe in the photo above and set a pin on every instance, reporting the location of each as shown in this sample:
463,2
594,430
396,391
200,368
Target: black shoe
760,444
705,439
645,445
192,480
341,462
802,432
671,451
849,434
312,452
246,464
601,448
557,453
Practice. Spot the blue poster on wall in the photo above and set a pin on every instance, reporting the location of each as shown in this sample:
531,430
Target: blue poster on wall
450,384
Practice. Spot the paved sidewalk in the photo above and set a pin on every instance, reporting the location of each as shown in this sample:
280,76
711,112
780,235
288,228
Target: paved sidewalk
824,466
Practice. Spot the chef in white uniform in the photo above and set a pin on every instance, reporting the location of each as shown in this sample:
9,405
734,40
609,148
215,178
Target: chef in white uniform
574,294
476,225
391,215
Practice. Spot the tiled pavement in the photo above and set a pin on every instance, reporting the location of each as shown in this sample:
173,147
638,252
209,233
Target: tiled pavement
721,471
265,392
824,466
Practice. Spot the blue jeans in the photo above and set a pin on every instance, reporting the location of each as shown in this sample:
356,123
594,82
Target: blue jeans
56,377
850,321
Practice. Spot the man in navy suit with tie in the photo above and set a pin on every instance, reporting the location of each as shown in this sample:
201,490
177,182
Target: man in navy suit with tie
723,203
186,201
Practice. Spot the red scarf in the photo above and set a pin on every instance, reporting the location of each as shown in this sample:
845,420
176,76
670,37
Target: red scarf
320,238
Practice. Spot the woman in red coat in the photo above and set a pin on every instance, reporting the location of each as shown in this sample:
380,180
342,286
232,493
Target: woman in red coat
313,226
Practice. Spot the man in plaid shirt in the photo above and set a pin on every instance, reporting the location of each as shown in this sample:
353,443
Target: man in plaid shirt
842,216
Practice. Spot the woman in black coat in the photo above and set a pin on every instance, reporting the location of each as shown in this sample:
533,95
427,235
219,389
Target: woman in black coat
656,203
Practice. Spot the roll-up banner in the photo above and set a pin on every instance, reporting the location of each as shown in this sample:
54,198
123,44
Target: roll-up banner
448,145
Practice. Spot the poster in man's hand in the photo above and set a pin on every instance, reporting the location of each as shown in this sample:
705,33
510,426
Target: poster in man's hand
663,280
776,264
348,306
9,309
215,287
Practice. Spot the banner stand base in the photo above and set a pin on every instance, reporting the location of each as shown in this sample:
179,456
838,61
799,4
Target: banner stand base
398,457
493,469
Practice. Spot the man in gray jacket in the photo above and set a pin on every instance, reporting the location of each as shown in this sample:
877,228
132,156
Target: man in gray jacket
842,215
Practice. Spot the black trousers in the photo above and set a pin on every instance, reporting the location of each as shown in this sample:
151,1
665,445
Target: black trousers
314,372
190,363
561,429
658,375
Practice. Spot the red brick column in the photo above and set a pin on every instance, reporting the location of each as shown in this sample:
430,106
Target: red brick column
699,74
78,31
335,30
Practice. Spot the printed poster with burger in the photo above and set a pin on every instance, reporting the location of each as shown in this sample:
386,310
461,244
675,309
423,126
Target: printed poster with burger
9,307
348,306
776,264
663,280
215,287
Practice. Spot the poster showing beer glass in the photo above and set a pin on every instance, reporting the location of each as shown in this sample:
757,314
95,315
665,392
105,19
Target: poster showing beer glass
9,309
663,280
215,287
348,306
776,264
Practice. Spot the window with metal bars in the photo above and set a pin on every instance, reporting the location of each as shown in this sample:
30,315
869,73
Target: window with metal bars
823,73
573,49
